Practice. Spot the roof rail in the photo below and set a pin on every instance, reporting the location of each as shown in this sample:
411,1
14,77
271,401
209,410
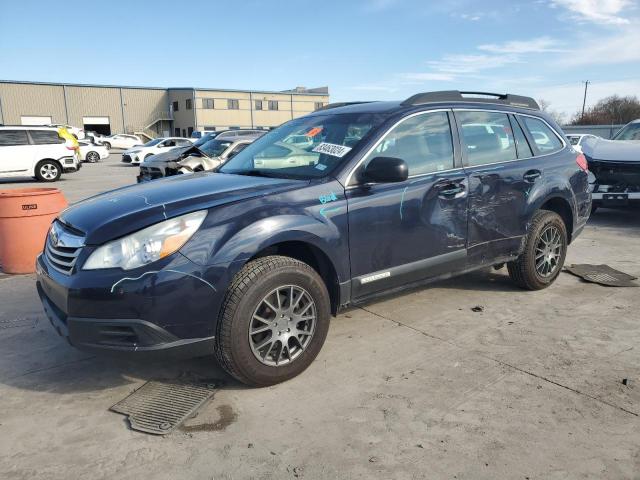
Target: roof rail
339,104
480,97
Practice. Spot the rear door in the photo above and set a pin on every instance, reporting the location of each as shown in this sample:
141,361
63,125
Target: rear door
412,230
499,162
16,153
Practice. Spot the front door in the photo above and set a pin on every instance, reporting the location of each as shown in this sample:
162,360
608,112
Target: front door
412,230
502,171
16,154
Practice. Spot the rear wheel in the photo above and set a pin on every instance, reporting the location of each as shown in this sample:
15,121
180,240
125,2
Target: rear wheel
92,157
274,321
543,257
48,171
107,145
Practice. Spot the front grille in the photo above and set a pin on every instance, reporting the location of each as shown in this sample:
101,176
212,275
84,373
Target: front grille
151,172
62,248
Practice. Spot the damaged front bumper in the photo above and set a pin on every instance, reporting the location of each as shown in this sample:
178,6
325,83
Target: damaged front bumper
617,183
167,310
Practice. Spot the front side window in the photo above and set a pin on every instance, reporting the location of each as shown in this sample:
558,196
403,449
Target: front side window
153,142
543,136
45,137
233,104
328,140
13,137
628,132
487,137
423,141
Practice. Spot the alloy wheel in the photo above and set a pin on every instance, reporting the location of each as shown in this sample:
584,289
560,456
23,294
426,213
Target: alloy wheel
49,171
92,157
282,325
548,251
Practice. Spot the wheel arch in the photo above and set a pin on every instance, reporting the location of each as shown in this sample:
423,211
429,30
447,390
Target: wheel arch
562,207
313,256
54,160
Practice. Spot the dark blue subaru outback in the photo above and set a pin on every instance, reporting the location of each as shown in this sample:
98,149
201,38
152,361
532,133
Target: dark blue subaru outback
326,211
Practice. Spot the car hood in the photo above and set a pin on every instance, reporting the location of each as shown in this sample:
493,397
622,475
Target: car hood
128,209
172,155
612,150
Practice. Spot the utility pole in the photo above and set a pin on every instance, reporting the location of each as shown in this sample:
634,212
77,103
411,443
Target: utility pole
584,101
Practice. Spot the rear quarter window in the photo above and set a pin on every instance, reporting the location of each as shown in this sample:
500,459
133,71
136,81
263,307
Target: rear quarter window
45,137
544,138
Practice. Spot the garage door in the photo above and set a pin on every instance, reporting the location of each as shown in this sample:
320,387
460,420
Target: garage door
95,120
35,120
97,124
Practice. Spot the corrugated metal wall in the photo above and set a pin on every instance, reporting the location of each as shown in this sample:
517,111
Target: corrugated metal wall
143,106
26,99
95,102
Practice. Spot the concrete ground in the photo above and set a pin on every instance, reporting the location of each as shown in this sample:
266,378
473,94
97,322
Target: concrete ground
415,386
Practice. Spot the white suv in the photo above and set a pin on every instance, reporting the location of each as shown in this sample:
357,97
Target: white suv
35,152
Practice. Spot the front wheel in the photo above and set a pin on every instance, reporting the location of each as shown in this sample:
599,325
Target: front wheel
545,249
274,321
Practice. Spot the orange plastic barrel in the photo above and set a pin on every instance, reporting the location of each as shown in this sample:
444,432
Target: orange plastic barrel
25,217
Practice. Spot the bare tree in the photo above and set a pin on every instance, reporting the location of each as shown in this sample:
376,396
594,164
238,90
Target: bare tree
611,110
545,106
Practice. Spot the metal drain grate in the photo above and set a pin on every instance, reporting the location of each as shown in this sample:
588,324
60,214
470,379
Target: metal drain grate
602,274
159,407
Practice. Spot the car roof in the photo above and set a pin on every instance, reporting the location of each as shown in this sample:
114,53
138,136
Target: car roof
29,127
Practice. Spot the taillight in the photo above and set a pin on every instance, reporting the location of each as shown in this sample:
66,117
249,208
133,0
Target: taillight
581,160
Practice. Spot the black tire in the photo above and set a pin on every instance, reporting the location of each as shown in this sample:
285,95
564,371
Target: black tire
107,145
92,157
48,171
246,292
523,270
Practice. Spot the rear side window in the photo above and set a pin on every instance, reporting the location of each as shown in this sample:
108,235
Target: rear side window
487,137
45,137
522,145
423,141
543,136
13,137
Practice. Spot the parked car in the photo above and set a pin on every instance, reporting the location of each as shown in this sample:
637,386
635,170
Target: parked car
577,139
205,157
630,132
91,152
95,138
616,167
40,152
251,261
137,154
122,141
196,134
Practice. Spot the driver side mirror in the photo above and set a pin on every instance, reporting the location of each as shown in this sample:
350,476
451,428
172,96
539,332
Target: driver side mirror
386,170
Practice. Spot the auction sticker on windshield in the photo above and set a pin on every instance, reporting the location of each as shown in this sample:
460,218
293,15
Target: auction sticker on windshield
332,149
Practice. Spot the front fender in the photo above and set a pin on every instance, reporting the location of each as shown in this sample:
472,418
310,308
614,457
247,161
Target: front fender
267,232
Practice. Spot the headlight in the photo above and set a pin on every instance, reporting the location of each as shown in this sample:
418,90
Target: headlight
147,245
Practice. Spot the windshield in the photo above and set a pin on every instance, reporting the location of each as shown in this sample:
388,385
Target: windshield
205,138
215,148
307,147
152,142
629,132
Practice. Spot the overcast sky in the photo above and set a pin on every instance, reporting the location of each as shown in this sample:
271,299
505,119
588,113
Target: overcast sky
361,49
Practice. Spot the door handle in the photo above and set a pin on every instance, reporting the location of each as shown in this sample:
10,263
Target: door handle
452,190
531,176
